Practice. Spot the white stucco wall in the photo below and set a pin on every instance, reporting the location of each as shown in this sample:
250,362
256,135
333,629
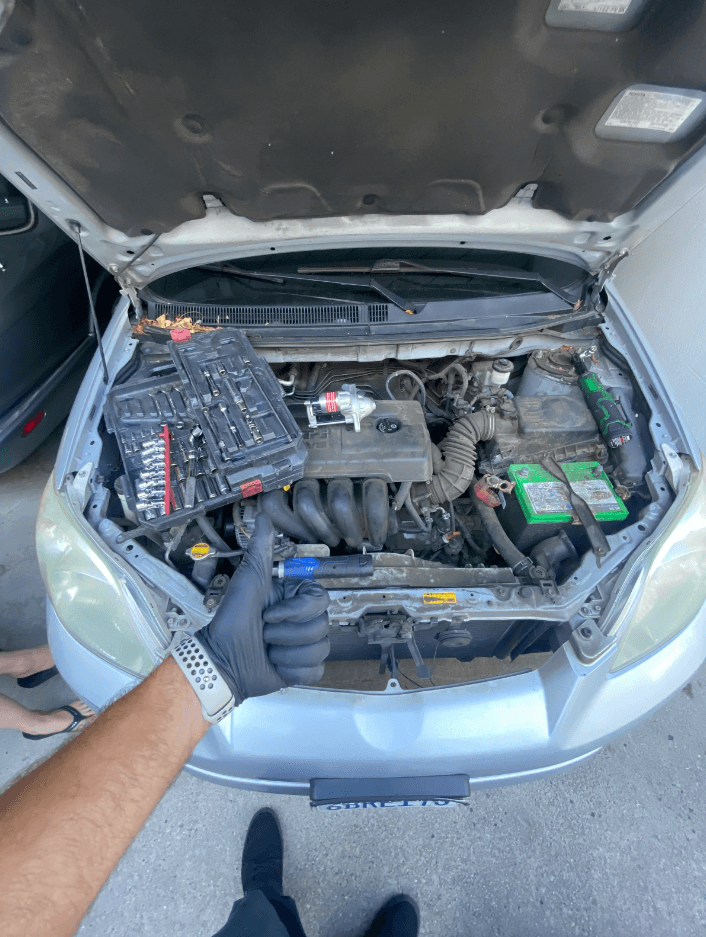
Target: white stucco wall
663,283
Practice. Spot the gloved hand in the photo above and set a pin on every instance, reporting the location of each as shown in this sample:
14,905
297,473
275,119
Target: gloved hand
287,615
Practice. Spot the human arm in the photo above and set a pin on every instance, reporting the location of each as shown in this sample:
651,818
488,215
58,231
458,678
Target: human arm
65,826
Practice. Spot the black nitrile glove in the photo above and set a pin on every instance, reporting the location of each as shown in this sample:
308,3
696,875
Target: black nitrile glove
288,615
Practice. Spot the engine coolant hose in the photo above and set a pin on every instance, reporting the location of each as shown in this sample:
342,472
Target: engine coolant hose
457,466
515,559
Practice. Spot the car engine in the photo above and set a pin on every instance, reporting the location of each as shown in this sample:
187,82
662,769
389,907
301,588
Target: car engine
445,474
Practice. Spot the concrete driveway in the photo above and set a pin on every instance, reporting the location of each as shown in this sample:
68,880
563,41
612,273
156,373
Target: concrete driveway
616,849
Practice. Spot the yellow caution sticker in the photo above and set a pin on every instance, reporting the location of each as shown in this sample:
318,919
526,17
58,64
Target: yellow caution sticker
439,598
199,551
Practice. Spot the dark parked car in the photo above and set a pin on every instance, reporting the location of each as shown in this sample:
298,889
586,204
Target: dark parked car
46,342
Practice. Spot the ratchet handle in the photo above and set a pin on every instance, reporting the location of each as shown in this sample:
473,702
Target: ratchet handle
328,567
608,413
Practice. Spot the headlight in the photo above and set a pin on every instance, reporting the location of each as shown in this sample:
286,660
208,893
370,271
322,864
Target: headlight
671,588
95,599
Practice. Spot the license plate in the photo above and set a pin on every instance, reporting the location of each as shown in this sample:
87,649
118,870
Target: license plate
385,805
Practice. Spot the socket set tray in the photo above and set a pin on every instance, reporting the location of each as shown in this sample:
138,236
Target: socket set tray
229,431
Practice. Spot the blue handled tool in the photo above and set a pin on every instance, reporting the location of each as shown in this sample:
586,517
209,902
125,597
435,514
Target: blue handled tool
327,567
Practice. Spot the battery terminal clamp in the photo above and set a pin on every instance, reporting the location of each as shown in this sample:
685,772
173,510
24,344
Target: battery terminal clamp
491,489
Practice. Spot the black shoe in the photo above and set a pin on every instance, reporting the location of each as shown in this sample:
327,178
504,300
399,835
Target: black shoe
262,853
398,917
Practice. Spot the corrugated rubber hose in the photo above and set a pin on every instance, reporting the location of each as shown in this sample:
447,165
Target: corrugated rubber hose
454,471
515,559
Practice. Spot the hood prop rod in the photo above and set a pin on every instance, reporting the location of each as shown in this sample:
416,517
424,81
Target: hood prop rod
94,318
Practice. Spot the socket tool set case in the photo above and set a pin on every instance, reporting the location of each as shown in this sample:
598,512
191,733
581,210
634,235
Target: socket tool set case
201,424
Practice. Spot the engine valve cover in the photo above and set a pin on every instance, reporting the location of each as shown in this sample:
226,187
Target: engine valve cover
393,444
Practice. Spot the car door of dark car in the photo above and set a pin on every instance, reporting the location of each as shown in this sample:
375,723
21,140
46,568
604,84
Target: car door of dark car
43,306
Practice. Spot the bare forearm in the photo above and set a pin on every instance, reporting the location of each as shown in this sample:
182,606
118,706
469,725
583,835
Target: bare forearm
64,827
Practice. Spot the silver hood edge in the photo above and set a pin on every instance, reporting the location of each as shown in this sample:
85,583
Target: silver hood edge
518,226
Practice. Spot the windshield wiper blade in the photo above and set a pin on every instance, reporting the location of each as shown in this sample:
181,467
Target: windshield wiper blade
366,282
239,272
479,270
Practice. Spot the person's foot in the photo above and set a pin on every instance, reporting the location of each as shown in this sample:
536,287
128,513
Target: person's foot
26,662
262,853
398,917
58,720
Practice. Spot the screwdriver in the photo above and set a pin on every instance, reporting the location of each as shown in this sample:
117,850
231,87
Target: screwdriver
612,421
329,567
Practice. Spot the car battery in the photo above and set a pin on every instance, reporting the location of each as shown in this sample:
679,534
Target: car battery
539,506
203,426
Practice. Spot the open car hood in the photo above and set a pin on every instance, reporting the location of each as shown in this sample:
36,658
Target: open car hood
563,125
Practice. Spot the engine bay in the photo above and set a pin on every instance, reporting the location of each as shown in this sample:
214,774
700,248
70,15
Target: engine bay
461,506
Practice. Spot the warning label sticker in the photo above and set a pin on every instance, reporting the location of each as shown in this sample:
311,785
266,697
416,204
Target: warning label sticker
439,598
553,497
596,493
651,110
548,497
595,6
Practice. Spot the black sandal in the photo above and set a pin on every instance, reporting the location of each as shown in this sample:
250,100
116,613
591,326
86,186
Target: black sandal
36,679
78,717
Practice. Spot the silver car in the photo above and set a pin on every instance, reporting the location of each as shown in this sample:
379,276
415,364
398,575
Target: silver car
366,266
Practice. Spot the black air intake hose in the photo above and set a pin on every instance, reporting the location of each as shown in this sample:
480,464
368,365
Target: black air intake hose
551,553
453,473
274,504
310,510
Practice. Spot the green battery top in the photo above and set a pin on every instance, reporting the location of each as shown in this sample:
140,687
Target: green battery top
544,499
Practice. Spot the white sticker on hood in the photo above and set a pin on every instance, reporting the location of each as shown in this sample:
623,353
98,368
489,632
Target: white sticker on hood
617,7
651,110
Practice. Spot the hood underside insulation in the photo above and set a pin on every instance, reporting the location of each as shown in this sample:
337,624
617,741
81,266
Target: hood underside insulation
311,109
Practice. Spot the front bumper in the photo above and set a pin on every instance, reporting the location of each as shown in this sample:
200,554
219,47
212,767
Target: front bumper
497,731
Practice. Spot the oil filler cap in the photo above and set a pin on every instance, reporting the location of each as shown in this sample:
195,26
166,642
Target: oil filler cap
388,425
